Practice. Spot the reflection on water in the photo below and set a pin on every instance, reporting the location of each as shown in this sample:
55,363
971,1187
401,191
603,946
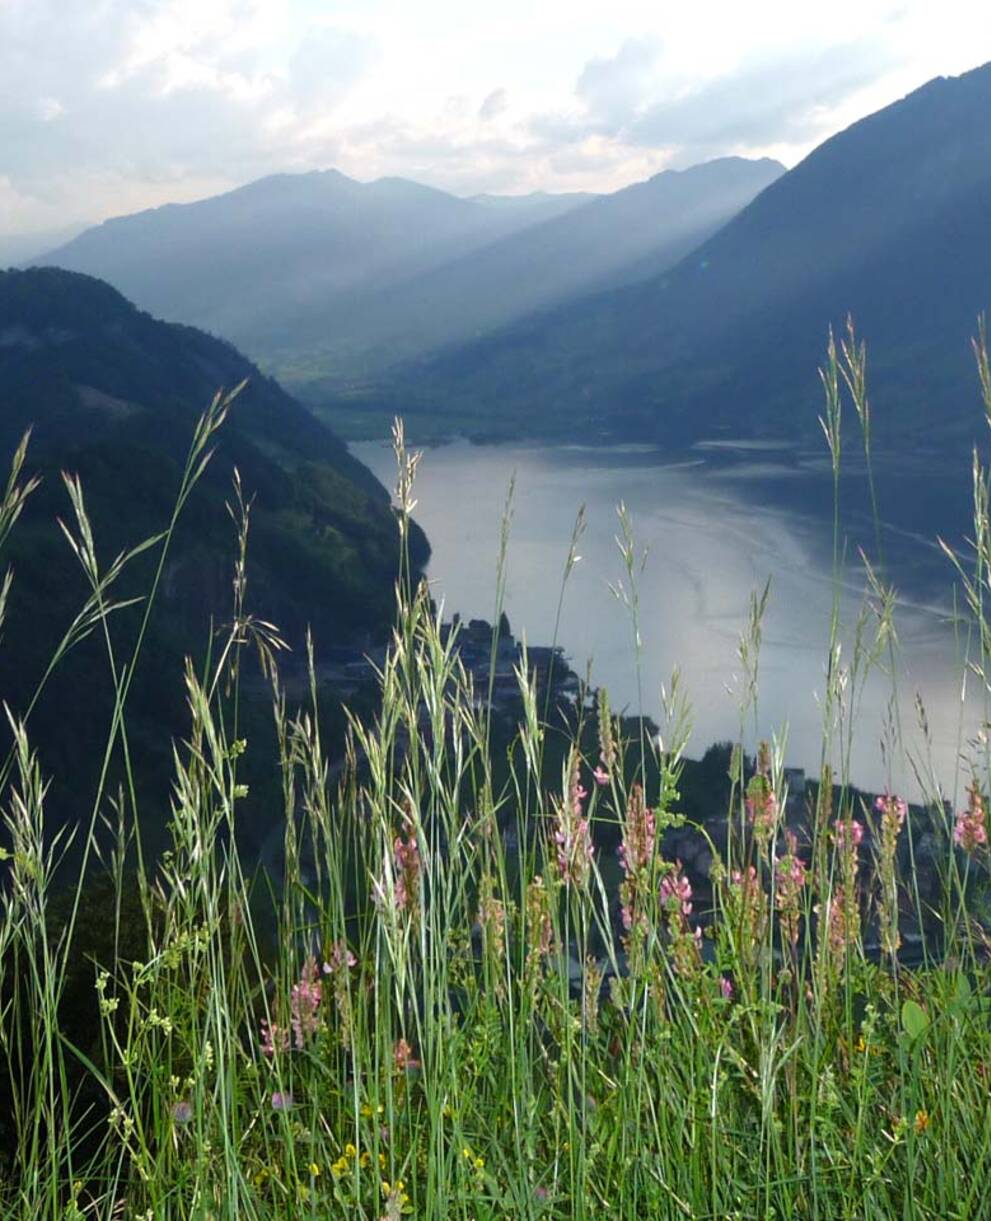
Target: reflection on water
708,550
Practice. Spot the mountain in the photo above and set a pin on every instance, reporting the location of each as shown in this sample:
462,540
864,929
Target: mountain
887,220
536,205
114,395
19,248
609,240
247,264
330,281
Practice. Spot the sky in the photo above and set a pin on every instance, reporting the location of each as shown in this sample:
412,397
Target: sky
110,106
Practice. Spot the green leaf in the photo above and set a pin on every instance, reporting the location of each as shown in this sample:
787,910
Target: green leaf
915,1020
962,993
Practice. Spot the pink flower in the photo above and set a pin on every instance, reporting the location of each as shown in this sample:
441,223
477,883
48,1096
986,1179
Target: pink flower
283,1101
676,890
340,957
856,833
600,776
403,1056
726,988
406,861
970,831
274,1038
789,880
305,1004
639,834
572,835
893,811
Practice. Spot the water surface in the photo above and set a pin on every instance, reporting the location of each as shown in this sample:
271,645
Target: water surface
710,545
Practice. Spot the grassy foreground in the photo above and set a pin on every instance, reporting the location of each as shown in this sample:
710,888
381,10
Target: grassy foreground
448,1007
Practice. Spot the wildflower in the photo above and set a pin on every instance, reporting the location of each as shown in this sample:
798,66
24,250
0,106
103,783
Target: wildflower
676,890
726,988
636,852
305,1004
339,958
274,1038
921,1121
893,811
842,919
540,928
856,830
339,962
282,1101
789,881
970,831
675,896
761,800
746,908
636,855
403,1056
182,1112
600,776
406,863
572,834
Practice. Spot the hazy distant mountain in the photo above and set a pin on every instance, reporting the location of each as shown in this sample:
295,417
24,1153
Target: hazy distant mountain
537,205
18,248
610,240
889,220
324,277
247,263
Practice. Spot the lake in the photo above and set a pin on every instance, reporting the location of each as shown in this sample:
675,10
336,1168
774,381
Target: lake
713,536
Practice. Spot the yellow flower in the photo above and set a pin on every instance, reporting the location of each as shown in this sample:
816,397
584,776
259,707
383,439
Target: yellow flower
921,1121
365,1159
314,1169
479,1163
350,1150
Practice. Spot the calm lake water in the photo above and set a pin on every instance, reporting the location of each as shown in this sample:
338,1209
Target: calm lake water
713,538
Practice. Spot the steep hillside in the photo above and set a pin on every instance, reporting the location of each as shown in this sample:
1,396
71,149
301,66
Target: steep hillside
887,220
113,395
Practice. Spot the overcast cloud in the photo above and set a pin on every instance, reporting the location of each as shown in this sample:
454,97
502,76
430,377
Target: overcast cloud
107,106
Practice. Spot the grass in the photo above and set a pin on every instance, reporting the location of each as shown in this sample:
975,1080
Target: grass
429,1016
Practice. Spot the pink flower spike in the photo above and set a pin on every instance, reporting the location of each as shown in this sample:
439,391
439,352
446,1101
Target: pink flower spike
726,988
600,776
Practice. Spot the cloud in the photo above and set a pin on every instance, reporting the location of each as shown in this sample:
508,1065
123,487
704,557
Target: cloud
761,103
494,105
637,102
613,88
105,103
108,106
327,64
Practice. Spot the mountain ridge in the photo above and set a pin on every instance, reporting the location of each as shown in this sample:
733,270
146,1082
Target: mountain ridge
751,306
